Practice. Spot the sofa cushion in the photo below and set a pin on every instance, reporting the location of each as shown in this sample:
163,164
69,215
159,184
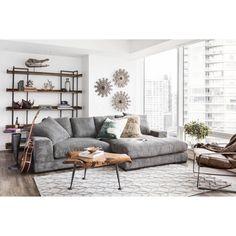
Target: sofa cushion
51,129
151,147
112,129
144,126
65,123
98,120
83,127
75,144
132,127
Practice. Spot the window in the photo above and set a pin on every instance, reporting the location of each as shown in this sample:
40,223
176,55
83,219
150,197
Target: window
161,91
209,71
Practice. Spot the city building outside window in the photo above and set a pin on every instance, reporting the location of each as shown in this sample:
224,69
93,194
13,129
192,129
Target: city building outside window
210,84
160,104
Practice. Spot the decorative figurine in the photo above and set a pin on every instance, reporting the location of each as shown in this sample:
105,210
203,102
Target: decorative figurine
36,63
27,104
29,83
17,105
17,123
48,85
20,85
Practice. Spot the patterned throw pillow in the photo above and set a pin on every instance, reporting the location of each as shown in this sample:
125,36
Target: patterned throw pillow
112,129
132,128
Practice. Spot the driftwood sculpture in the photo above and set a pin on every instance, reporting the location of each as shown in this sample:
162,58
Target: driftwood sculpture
36,63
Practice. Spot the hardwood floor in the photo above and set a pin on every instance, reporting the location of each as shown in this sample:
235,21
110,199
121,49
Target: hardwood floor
12,183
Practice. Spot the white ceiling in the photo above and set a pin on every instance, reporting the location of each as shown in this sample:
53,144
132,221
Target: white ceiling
132,48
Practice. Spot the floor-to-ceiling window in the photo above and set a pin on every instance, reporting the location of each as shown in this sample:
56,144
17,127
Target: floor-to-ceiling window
207,77
161,91
210,84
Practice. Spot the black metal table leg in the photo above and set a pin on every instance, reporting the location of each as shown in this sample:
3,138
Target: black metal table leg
72,177
85,170
118,177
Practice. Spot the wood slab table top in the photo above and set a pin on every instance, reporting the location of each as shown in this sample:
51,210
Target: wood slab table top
101,160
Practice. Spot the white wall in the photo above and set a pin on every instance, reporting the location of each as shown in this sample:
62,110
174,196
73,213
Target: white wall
92,67
104,66
57,63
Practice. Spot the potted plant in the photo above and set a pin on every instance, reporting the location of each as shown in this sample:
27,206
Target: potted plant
196,130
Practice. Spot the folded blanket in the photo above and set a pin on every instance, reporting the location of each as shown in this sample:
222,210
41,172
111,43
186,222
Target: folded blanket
229,151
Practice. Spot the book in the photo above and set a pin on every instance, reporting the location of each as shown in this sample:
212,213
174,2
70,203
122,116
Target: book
12,130
30,89
91,155
65,108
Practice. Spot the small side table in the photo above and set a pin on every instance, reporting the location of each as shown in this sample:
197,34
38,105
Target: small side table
15,140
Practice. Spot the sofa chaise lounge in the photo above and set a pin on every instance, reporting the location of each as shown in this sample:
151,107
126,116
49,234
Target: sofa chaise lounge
51,150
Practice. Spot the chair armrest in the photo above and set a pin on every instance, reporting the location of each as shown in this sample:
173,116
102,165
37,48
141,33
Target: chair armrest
158,133
43,149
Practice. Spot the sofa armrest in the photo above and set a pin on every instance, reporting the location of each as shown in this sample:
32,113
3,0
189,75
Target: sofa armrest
158,133
43,149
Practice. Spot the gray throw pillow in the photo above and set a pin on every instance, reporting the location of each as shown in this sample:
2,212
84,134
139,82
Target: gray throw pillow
83,127
65,123
51,129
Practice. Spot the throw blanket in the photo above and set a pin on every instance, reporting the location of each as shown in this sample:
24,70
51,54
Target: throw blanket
229,151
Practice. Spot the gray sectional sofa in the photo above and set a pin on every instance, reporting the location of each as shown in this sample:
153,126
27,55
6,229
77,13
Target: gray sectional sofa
50,151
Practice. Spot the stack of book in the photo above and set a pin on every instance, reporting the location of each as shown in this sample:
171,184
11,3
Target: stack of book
29,89
91,155
12,130
64,107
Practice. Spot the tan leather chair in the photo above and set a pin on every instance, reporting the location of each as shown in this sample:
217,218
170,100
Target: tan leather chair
205,158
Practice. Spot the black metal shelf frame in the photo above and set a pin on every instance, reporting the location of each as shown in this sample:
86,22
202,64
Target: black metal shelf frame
72,75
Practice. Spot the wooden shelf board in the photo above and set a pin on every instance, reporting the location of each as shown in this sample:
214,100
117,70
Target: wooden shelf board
43,91
43,73
36,108
12,126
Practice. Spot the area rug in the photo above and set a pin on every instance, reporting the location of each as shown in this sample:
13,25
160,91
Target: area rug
167,180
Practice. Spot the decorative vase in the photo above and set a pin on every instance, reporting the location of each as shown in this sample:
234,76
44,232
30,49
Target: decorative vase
67,85
193,141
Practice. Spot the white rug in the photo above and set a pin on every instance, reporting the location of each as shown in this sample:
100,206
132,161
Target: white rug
167,180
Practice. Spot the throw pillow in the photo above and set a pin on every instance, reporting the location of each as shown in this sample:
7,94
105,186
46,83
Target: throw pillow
132,128
83,127
112,129
51,129
65,123
144,126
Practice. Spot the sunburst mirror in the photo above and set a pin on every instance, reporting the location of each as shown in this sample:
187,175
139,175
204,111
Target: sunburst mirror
121,78
103,87
121,101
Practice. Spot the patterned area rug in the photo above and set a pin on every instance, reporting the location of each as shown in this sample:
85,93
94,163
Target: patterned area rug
167,180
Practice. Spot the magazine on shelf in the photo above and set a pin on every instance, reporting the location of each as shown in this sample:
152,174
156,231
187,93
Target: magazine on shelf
91,155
